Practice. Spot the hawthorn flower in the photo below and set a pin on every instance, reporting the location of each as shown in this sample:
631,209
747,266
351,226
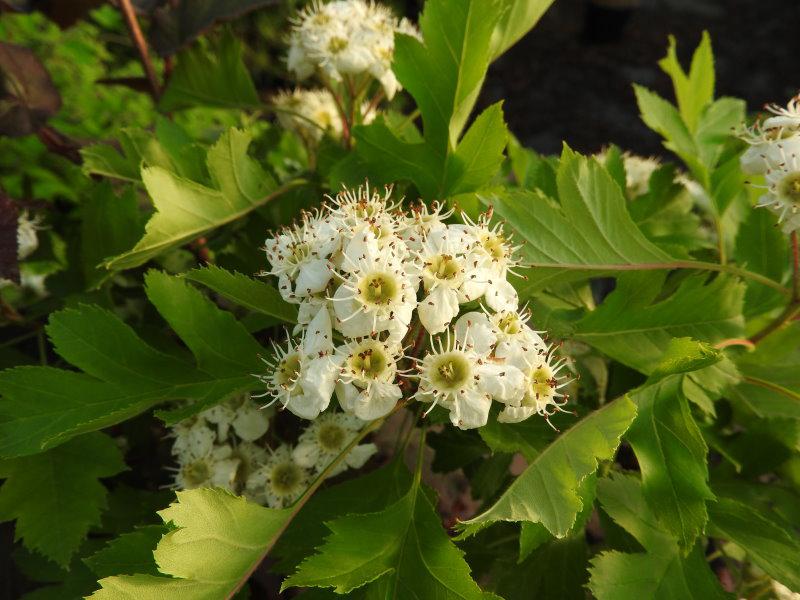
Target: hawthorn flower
309,113
506,333
326,438
493,258
298,257
279,481
423,221
240,413
541,388
344,39
213,467
448,277
302,376
27,238
366,387
772,141
783,193
376,295
456,377
193,437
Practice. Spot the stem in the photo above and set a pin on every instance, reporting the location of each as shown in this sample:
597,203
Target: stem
735,342
795,267
141,45
342,114
376,99
723,259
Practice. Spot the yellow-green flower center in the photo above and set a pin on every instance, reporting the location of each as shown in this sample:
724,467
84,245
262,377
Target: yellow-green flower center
451,371
494,245
369,360
443,266
542,383
509,323
379,289
285,477
789,187
288,369
331,437
196,473
337,44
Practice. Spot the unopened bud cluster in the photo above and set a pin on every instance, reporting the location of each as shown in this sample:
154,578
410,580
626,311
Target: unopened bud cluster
774,152
225,447
371,280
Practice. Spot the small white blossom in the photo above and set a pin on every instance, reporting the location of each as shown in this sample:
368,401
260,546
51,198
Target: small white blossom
193,437
279,481
366,386
346,39
302,376
216,467
326,438
242,414
783,193
27,238
456,377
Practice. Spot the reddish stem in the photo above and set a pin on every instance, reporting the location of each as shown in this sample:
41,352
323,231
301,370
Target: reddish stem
141,45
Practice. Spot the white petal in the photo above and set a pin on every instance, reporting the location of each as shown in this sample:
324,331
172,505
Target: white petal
318,336
359,455
470,410
250,423
380,401
515,414
504,383
438,309
306,454
501,295
313,277
475,329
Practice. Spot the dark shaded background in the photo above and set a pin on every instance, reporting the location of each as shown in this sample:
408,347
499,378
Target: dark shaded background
559,85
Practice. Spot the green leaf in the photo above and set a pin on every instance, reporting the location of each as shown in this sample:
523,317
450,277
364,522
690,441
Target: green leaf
44,406
556,569
695,90
186,210
245,291
210,74
368,493
128,554
56,497
547,491
628,328
769,541
170,148
406,553
661,572
684,355
762,248
444,75
219,539
770,385
672,457
518,18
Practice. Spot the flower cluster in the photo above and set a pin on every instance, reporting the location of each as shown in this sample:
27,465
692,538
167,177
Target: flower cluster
774,152
224,447
346,40
313,113
376,278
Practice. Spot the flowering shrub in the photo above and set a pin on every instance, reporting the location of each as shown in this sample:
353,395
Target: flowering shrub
340,336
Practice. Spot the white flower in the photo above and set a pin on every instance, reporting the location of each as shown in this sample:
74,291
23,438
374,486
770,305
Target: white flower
309,113
783,193
251,457
453,375
376,293
326,438
279,481
248,421
302,376
505,332
492,258
422,222
215,467
541,390
346,38
27,240
298,256
784,118
448,277
366,386
193,438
